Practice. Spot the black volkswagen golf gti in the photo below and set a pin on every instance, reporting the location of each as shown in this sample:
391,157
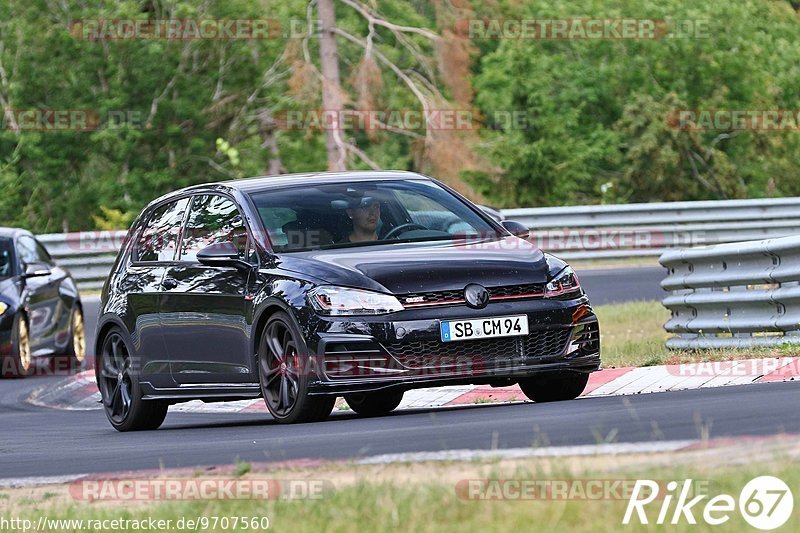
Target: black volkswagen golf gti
302,288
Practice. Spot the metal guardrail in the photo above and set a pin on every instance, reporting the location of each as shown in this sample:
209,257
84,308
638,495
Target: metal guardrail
594,232
647,230
88,256
739,295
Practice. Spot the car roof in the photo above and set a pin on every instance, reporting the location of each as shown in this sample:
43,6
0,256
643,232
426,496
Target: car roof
13,232
317,178
263,183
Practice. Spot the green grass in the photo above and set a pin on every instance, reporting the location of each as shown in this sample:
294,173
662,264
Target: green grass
632,334
242,468
434,505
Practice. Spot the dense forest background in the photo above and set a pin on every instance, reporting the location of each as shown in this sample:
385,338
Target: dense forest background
594,128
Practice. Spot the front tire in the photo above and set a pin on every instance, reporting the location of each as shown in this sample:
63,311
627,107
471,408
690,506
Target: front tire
284,373
19,363
374,403
554,386
120,390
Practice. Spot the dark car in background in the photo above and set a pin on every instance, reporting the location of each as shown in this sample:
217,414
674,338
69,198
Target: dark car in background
40,308
302,288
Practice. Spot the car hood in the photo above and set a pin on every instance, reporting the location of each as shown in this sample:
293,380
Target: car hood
415,267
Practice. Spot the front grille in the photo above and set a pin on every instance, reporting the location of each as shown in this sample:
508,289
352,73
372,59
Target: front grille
428,353
454,297
516,291
415,299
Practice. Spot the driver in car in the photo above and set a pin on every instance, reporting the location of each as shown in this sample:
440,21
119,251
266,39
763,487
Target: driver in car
364,214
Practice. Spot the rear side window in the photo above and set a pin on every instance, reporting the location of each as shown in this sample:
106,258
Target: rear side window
213,219
30,251
159,239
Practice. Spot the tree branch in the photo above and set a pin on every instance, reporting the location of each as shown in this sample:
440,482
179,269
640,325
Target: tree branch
423,100
364,11
157,100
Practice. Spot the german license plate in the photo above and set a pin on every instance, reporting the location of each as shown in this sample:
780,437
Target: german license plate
484,328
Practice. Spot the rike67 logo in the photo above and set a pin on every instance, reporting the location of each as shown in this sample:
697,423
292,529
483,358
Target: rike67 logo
765,503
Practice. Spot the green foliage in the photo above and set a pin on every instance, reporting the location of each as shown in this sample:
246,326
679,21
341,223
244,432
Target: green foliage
113,219
176,113
597,110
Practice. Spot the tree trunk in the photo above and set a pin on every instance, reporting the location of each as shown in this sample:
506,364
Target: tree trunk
332,103
266,128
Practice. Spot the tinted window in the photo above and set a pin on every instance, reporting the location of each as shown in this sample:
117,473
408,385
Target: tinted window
28,250
213,219
6,258
365,213
159,239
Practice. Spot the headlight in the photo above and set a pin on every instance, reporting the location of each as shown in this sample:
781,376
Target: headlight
565,284
338,301
3,307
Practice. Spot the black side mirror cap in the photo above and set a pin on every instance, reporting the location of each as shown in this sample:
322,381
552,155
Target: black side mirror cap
35,270
222,254
518,229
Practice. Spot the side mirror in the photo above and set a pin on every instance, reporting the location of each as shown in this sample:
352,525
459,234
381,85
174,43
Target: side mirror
221,254
518,229
35,270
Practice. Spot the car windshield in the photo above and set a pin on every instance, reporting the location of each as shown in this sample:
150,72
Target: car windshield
6,265
365,213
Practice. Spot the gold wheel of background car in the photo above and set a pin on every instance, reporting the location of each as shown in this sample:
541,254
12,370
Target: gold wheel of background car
24,346
18,363
78,336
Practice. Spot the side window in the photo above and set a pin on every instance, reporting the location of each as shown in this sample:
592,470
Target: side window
42,252
213,219
6,262
159,239
26,250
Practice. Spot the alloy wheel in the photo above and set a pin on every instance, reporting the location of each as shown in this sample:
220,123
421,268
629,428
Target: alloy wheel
280,369
24,346
78,336
115,378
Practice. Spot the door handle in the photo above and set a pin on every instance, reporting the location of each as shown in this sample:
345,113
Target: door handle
169,283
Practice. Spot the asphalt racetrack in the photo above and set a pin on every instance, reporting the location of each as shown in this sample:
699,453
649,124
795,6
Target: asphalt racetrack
40,441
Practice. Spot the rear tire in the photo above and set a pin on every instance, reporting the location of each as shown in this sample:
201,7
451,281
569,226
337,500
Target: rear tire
118,382
554,386
284,372
374,403
19,363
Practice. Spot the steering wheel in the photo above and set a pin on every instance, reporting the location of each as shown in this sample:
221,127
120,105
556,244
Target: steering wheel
402,228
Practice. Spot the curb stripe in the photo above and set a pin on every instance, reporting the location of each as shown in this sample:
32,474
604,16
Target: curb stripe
79,392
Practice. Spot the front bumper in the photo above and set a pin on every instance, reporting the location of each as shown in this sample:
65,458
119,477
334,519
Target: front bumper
403,350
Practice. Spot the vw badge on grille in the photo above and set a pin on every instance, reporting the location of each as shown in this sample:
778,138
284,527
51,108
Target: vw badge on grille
476,296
